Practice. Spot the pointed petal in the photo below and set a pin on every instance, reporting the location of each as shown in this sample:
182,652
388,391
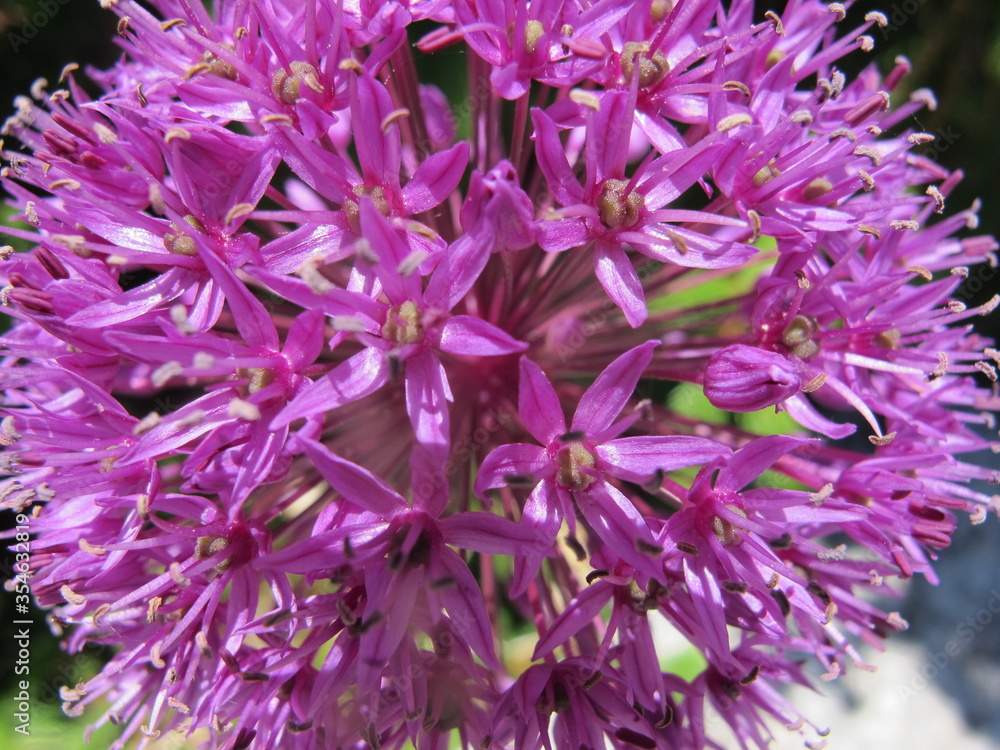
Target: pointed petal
486,532
392,605
353,379
578,614
377,146
557,235
608,135
458,270
131,304
392,251
356,484
515,459
427,397
435,179
542,517
463,334
619,525
466,609
637,459
750,461
803,412
605,399
672,244
323,551
538,404
618,277
552,159
305,340
251,318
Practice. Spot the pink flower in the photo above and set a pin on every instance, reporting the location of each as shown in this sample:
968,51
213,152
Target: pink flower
574,465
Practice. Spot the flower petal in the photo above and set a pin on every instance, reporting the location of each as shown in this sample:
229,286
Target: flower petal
463,334
466,609
353,379
427,397
637,459
515,459
619,525
542,516
538,404
435,179
608,395
578,614
618,277
356,484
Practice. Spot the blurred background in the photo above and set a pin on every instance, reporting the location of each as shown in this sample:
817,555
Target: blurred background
939,683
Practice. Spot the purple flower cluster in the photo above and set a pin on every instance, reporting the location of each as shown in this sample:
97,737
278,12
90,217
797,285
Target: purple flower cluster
350,415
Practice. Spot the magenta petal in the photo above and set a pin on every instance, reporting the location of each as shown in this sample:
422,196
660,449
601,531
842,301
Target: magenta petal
329,175
803,412
557,235
486,532
463,334
515,459
552,159
378,146
637,459
578,614
608,135
538,404
258,458
542,517
356,484
391,250
435,179
619,525
707,599
464,602
458,270
509,81
672,244
288,252
750,461
251,318
355,378
131,304
429,477
389,607
618,277
427,397
319,552
605,399
305,340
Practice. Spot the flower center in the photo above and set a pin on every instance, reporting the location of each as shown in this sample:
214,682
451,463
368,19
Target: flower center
616,208
571,462
286,87
652,68
800,336
726,531
404,324
257,377
352,209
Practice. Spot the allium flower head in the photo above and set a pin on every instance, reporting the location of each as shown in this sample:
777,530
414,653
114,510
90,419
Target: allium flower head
348,414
